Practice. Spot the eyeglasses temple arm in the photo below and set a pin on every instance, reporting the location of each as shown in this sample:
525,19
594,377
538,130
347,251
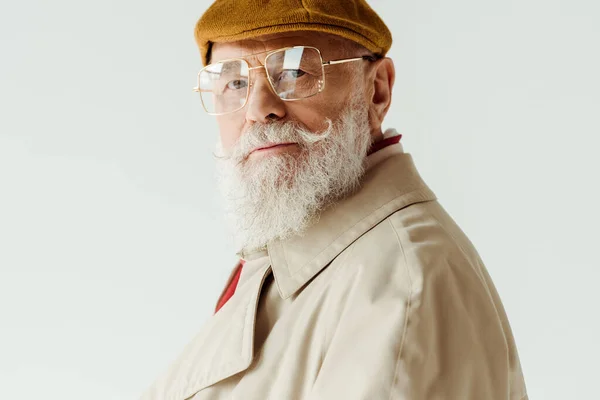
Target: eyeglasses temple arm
333,62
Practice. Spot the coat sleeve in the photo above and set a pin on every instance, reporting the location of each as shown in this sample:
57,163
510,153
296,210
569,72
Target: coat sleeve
440,337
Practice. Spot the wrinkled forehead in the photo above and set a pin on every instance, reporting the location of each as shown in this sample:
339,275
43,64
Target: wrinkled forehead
329,45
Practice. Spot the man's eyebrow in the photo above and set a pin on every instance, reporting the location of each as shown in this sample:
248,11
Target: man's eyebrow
228,68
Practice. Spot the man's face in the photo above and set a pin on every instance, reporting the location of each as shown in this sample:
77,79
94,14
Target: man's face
274,192
310,112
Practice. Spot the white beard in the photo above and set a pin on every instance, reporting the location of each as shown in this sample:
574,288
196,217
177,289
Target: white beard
280,195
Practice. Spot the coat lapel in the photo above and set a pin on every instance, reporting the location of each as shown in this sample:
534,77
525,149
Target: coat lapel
224,346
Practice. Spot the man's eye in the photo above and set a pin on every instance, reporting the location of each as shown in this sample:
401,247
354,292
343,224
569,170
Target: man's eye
237,84
291,74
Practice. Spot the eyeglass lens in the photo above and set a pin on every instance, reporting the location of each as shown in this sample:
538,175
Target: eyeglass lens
294,73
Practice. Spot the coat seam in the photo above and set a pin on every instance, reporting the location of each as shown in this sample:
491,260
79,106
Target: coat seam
407,310
482,282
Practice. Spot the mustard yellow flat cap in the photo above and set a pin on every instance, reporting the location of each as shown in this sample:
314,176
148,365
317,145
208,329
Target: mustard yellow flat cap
231,20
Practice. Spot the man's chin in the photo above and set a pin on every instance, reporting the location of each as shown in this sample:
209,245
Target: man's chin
274,169
275,179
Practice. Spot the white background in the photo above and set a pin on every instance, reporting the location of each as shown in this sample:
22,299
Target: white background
112,245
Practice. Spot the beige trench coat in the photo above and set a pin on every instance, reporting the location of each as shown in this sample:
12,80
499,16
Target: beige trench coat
384,298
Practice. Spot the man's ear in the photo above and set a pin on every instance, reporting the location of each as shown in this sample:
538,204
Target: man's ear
382,77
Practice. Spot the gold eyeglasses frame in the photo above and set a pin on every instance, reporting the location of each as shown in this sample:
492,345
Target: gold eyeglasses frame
270,53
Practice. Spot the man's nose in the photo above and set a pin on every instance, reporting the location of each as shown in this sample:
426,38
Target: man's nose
263,104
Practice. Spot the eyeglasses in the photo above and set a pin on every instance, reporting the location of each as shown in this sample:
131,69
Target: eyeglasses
294,73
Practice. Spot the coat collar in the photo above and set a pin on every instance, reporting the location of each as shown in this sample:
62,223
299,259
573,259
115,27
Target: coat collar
389,184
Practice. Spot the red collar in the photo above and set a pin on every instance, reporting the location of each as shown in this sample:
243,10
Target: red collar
384,143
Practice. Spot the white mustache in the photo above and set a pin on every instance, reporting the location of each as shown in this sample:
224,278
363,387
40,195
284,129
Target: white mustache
260,135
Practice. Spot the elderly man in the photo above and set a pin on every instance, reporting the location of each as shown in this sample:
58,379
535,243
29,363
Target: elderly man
354,282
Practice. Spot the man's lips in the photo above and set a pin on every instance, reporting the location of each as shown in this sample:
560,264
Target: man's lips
272,146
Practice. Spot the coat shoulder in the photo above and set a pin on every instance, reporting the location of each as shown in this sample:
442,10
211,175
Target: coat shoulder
412,243
421,262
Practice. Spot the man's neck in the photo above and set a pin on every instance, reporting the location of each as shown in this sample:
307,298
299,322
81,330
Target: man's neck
376,135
